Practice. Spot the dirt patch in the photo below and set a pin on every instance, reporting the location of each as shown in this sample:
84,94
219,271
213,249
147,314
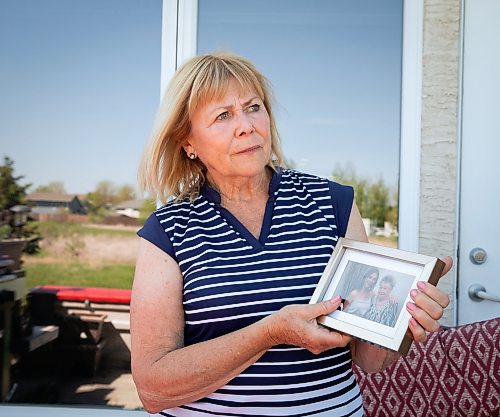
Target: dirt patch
94,250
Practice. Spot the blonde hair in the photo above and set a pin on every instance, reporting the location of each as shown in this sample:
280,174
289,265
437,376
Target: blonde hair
165,169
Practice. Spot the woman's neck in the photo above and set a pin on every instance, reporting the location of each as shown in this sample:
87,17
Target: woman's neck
242,189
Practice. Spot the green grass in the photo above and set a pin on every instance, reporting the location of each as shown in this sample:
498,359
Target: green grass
76,274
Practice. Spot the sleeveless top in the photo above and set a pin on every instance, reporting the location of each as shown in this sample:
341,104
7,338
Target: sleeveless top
359,307
232,279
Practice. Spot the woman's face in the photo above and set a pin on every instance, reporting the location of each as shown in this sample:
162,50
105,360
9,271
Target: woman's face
232,135
384,290
370,281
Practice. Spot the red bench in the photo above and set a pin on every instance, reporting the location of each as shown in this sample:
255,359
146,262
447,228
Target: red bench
91,294
454,373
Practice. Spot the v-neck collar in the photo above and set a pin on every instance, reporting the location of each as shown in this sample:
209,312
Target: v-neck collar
213,196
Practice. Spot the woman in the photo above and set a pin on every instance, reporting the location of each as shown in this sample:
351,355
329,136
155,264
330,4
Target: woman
220,323
384,308
360,300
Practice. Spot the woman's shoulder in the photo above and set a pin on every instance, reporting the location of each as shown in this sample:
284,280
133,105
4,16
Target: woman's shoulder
294,173
307,178
353,293
341,196
174,206
161,224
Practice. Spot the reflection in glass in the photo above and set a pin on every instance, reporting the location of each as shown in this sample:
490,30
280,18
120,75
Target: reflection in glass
335,67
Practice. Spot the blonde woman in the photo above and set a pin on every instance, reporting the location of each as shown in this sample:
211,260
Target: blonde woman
220,321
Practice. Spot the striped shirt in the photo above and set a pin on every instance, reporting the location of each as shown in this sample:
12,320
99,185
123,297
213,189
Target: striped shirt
232,279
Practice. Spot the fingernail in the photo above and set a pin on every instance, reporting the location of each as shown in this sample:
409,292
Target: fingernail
410,306
421,285
335,299
413,293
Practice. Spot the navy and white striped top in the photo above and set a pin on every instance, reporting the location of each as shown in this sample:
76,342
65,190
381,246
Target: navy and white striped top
232,279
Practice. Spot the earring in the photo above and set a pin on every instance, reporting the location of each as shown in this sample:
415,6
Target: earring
192,155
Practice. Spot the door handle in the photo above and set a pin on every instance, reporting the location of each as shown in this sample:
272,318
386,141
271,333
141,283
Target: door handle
478,293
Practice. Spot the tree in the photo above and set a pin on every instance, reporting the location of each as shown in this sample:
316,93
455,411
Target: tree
12,194
378,202
56,187
392,212
124,193
146,209
372,198
347,175
101,199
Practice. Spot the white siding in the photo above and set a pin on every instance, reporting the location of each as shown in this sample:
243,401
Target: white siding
440,89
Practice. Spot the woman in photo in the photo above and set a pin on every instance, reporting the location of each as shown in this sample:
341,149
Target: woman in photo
220,320
359,301
384,307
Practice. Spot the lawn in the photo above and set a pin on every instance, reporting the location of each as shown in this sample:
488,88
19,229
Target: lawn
77,274
83,255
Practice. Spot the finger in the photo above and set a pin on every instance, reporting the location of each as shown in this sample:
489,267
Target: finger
417,331
427,304
448,263
434,293
341,339
325,307
331,338
427,322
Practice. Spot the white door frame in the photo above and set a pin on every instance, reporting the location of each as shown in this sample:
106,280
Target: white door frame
179,36
411,116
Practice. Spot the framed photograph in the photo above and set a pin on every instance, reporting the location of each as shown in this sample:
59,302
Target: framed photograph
375,283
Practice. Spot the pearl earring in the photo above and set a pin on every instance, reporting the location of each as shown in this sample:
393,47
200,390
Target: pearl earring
192,155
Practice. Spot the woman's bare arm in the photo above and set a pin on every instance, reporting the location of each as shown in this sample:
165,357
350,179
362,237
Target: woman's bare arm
167,373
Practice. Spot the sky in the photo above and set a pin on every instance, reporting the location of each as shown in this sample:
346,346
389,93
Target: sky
80,82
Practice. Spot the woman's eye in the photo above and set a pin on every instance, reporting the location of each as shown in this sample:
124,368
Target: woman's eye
254,107
223,116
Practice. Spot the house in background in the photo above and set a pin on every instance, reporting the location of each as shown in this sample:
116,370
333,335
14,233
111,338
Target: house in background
52,203
129,208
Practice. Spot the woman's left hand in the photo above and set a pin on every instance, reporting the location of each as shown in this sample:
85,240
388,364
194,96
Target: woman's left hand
427,307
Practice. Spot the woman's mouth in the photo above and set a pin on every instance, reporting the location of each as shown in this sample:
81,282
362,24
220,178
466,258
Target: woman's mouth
248,150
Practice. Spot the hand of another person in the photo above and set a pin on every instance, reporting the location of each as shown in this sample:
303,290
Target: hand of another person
296,325
427,307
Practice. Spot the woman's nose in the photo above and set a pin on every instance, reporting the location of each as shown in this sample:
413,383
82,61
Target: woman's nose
244,125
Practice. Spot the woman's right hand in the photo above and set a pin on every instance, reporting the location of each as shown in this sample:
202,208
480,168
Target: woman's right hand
296,325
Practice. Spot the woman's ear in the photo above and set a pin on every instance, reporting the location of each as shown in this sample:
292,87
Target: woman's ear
188,148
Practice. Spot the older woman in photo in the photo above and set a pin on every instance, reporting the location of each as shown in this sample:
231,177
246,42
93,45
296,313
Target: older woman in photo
220,320
384,308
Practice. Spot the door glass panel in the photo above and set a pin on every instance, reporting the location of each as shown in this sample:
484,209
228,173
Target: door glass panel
335,68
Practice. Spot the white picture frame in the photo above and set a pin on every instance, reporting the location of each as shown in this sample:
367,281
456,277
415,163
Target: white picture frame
382,318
